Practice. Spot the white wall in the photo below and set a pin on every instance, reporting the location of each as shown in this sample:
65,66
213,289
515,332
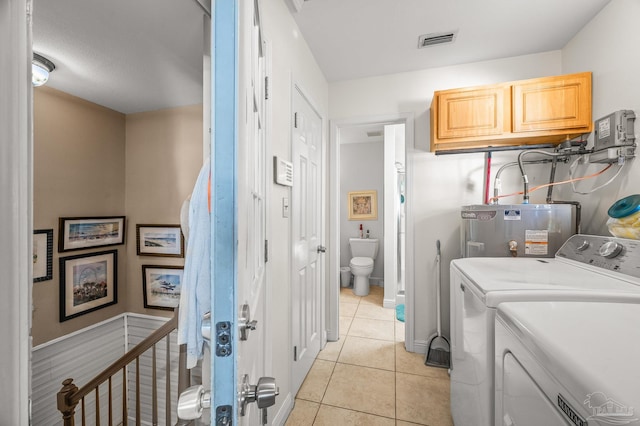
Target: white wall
437,185
361,166
291,61
607,46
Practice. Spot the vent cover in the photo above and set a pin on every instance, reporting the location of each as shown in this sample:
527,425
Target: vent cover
374,134
432,39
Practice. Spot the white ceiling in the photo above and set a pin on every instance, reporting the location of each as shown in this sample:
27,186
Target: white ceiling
127,55
360,38
142,55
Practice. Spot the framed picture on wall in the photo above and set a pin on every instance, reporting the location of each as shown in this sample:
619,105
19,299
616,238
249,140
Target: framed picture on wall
161,286
42,255
88,282
159,240
76,233
363,205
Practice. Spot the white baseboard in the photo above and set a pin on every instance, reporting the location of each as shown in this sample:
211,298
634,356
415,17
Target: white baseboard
283,413
389,303
420,346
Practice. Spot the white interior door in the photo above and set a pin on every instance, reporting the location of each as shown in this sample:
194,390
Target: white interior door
306,279
238,184
252,202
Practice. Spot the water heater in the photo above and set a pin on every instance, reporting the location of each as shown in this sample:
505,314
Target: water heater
525,230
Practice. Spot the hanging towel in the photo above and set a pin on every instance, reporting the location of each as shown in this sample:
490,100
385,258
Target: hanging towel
195,298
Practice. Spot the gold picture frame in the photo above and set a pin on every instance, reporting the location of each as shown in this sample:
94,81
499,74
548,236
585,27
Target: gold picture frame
363,205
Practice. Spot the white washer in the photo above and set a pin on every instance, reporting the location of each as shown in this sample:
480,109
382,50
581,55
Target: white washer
567,363
586,268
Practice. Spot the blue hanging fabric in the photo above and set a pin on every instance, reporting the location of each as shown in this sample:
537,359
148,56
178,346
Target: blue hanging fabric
195,297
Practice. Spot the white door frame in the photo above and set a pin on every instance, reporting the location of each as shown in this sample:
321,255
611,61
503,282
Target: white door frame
297,86
16,209
333,293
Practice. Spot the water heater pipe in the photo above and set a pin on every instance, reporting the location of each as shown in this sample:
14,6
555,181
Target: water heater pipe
487,177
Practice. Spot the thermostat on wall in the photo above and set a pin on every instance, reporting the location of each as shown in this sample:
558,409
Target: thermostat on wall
282,171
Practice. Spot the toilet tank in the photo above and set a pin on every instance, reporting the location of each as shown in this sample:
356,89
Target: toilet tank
364,247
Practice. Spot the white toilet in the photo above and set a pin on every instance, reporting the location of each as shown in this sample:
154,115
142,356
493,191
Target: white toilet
364,251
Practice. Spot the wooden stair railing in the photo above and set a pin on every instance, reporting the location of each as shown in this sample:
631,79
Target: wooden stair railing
70,395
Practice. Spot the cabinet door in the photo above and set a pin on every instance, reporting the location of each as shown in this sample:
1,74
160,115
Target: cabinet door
553,103
470,113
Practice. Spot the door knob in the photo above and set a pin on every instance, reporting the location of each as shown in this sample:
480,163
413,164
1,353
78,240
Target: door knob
206,326
322,249
192,401
244,322
264,393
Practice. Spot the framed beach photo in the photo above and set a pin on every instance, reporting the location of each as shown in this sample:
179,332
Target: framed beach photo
159,240
88,282
42,255
363,205
76,233
161,286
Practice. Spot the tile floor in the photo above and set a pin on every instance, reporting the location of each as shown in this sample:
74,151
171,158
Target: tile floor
367,377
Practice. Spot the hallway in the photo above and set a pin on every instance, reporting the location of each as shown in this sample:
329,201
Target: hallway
367,377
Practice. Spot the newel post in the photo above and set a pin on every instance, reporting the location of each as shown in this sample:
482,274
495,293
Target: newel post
68,411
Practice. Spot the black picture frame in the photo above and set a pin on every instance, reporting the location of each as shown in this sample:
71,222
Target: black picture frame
159,240
42,255
88,282
78,233
161,286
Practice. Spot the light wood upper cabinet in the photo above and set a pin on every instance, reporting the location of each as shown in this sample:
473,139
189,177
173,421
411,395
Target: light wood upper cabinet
536,111
469,113
552,103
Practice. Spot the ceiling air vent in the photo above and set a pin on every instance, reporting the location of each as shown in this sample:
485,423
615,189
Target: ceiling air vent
432,39
374,134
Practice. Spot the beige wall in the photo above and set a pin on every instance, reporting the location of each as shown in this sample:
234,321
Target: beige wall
79,159
163,158
93,161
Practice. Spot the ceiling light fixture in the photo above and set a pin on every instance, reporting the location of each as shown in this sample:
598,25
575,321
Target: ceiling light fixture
40,69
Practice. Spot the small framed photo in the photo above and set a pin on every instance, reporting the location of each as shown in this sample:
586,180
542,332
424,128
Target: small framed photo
363,205
42,255
88,282
161,286
159,240
76,233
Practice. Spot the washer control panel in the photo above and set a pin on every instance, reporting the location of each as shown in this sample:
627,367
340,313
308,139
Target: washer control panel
611,253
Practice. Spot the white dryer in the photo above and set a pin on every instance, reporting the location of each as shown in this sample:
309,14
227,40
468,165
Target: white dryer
567,363
586,268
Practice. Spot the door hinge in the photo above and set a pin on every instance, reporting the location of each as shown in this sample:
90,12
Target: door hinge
295,120
266,251
266,88
295,353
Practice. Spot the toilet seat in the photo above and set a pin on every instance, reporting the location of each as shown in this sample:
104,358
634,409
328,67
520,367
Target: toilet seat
362,262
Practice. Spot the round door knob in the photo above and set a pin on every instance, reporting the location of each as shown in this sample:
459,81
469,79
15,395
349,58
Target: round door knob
192,401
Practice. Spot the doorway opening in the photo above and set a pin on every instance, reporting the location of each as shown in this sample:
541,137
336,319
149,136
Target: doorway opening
394,133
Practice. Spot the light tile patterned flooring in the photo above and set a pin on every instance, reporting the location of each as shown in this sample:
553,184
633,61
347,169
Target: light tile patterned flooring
367,377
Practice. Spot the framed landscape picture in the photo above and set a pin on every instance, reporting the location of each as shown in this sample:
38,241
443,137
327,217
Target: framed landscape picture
161,286
159,240
42,255
363,205
76,233
88,282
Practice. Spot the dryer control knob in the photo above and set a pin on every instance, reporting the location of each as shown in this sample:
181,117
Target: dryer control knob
610,249
583,245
